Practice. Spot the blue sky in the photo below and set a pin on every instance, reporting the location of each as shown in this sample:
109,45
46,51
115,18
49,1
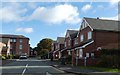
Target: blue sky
38,20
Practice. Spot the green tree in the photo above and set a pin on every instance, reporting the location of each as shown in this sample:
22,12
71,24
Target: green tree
44,46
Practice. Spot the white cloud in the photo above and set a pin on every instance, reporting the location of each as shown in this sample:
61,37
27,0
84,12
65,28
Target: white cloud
9,15
11,12
112,18
26,30
113,2
86,7
58,14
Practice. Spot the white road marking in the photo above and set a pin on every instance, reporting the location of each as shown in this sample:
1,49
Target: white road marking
29,60
24,69
16,67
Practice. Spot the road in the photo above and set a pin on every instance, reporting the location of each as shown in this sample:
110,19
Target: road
30,67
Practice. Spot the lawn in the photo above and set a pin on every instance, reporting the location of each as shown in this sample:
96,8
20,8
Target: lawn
103,69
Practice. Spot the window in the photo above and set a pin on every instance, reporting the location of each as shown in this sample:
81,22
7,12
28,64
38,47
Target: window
87,54
11,40
21,40
69,53
89,35
82,38
14,40
80,53
76,41
10,46
20,46
65,44
92,54
69,42
58,45
77,52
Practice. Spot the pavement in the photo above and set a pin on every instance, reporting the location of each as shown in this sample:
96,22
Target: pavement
77,70
4,62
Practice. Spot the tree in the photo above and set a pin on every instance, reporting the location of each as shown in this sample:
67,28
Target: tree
44,44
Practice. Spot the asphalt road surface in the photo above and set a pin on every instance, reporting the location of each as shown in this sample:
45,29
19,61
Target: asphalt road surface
30,67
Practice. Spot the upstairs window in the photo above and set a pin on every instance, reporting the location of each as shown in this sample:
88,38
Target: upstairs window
65,44
69,42
89,35
14,40
84,25
11,40
82,37
76,41
21,40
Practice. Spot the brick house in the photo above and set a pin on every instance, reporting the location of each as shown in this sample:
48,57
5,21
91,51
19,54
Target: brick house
94,34
19,44
69,39
58,46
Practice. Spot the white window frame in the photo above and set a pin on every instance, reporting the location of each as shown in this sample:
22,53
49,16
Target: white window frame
14,40
76,41
69,41
65,44
69,52
87,55
20,46
11,40
21,40
89,35
81,37
92,54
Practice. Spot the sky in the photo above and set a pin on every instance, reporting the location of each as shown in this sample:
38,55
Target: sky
38,19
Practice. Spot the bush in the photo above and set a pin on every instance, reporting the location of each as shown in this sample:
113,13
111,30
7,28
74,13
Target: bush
109,58
10,56
15,56
3,58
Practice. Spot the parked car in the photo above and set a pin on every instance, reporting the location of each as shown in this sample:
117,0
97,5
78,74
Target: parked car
23,57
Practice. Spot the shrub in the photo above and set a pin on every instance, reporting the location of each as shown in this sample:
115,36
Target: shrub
109,58
3,57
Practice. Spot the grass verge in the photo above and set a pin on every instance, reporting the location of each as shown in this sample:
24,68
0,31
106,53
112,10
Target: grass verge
115,70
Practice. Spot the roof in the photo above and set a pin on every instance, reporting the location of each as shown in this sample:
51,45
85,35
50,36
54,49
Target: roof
73,33
61,40
100,24
12,36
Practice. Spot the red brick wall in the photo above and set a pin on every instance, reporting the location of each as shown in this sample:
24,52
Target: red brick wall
25,46
103,38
